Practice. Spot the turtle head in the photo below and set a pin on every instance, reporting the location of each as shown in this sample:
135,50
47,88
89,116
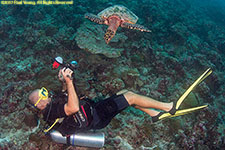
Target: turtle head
109,35
113,22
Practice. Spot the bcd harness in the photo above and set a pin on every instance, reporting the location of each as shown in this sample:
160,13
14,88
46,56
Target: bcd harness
79,120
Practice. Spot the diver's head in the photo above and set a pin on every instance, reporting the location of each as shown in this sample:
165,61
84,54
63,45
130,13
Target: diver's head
39,98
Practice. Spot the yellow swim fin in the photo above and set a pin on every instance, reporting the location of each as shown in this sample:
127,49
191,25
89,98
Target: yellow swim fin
199,80
181,112
174,111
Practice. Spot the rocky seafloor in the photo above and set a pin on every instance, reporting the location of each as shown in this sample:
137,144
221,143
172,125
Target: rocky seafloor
187,38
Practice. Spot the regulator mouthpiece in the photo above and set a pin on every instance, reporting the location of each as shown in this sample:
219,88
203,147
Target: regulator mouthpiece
58,61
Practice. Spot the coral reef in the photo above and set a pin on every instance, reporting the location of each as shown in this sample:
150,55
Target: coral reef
90,37
199,134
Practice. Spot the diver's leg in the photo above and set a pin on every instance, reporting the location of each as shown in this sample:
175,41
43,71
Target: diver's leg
150,112
146,102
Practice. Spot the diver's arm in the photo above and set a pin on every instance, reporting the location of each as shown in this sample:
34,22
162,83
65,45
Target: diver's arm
60,76
64,87
72,105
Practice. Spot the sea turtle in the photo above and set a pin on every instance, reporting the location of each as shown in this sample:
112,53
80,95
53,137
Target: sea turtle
114,17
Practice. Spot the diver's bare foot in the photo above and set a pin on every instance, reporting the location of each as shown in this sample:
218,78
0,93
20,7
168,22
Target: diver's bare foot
155,114
169,106
172,109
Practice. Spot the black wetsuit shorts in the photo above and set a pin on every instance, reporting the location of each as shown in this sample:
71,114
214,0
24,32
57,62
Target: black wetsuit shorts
105,110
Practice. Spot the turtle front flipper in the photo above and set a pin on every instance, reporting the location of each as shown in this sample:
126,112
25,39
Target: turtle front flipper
109,35
135,26
94,18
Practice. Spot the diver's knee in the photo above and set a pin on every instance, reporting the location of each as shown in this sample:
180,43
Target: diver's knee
130,97
122,92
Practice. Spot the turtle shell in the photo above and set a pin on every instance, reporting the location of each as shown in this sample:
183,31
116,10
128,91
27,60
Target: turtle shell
124,13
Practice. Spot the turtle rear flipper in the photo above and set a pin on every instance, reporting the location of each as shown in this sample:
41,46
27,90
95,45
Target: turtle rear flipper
135,27
94,18
109,35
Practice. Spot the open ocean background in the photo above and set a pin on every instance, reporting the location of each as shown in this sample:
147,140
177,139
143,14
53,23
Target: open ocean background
188,36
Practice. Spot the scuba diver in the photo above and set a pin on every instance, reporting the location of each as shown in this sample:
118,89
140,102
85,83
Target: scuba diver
81,114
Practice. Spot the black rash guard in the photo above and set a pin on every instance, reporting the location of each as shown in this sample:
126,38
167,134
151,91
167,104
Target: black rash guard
56,111
80,120
90,116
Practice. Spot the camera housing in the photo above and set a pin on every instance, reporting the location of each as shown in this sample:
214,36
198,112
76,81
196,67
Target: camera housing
58,61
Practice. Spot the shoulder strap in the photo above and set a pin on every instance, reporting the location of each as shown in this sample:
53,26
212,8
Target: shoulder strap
59,120
46,130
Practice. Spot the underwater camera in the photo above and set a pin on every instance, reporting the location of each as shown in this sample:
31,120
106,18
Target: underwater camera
58,61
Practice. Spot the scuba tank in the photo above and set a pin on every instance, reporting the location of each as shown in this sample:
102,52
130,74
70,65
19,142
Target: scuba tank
86,139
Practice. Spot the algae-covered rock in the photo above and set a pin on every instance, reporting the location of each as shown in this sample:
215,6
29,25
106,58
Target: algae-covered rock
47,78
30,120
90,38
130,76
123,71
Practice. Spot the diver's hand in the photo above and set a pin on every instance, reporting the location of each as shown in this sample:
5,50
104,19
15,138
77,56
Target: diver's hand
60,76
67,74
